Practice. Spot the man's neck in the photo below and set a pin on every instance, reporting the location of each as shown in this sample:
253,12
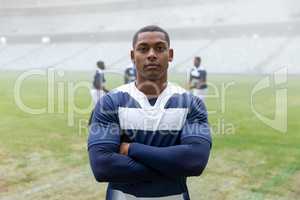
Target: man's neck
151,89
199,67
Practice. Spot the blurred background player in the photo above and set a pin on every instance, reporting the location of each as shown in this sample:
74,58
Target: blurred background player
130,74
98,89
197,79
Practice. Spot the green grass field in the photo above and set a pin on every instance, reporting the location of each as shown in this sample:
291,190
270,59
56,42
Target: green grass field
44,156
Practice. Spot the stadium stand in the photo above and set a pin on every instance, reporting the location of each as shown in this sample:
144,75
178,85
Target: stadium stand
224,33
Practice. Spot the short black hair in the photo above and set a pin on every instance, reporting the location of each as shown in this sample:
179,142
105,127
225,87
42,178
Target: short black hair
150,28
100,64
198,58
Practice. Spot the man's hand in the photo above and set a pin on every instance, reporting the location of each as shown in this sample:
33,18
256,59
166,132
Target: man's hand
124,147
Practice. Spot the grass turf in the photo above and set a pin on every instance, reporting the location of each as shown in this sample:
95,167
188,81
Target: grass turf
43,156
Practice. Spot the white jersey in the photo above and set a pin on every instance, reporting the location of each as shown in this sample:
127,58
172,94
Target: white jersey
96,95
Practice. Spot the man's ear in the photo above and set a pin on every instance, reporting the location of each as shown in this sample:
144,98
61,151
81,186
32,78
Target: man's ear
132,56
171,54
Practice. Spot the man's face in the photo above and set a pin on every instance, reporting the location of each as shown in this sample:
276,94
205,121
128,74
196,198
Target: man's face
197,62
151,56
101,66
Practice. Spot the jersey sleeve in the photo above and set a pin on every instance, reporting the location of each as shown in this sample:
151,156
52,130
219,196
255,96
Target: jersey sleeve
104,127
186,159
107,164
196,127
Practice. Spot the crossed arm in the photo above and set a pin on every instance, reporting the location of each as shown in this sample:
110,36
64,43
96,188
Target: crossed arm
108,165
144,163
135,162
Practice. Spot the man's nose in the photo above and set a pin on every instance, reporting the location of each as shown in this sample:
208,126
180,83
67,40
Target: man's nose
151,54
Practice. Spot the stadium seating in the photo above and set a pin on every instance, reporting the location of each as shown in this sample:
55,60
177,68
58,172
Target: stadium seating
230,52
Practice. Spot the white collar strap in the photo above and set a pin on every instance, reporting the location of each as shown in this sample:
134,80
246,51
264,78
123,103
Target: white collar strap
142,99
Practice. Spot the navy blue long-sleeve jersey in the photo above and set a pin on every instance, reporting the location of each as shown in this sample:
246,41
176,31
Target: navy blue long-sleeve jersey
170,141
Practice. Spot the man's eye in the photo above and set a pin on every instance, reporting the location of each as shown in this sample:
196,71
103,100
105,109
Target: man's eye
160,48
142,49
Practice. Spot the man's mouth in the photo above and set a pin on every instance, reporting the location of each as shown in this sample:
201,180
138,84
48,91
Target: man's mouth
152,66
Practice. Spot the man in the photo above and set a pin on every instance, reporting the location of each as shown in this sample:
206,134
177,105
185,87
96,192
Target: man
197,80
148,136
130,74
98,89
